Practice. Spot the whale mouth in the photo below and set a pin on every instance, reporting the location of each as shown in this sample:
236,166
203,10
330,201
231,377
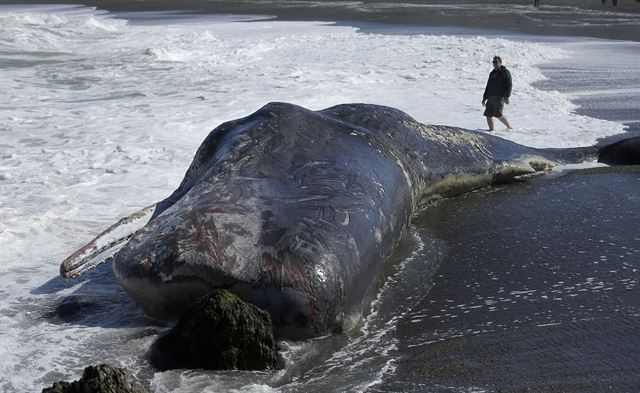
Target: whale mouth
165,300
293,312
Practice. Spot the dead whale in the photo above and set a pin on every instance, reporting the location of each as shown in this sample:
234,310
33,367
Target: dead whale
295,210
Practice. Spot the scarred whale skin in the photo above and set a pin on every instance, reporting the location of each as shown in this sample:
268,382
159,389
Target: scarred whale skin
295,210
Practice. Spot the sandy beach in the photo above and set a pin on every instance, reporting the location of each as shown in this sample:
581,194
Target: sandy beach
531,318
517,16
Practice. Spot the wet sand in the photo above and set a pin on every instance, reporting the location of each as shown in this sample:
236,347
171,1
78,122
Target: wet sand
547,306
518,16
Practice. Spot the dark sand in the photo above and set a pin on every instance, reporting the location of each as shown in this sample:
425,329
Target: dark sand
538,292
517,16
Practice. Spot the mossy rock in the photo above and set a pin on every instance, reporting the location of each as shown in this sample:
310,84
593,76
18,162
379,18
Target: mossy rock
99,379
218,332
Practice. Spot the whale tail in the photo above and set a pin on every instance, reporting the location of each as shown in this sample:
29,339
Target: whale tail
624,152
106,244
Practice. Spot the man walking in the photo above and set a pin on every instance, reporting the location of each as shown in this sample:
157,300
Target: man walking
497,93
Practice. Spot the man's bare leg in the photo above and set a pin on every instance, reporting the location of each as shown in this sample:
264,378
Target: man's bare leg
504,121
490,123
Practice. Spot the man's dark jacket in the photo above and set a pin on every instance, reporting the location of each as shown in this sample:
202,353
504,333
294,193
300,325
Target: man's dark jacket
499,83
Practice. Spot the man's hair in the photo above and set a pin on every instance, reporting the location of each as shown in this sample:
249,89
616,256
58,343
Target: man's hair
498,58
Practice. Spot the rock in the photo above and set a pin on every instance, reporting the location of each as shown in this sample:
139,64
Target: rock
219,331
99,379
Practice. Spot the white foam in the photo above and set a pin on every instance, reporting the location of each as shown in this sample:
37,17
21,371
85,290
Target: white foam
255,388
101,117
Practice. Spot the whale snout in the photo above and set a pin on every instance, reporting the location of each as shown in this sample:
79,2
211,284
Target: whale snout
176,260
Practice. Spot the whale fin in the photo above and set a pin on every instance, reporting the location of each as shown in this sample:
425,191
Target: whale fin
106,244
624,152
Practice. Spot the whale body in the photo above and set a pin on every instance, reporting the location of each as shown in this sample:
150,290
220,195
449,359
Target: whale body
295,210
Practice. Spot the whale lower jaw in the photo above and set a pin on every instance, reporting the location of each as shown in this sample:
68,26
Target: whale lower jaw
295,314
165,300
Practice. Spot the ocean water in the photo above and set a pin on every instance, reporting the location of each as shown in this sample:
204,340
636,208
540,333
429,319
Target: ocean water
101,114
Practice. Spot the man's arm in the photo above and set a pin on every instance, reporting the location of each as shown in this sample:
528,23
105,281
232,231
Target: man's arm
485,96
508,84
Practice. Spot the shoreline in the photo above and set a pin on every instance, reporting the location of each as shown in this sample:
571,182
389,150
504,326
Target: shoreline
587,104
560,285
517,16
437,17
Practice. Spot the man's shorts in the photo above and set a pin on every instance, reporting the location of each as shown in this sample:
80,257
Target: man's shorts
494,107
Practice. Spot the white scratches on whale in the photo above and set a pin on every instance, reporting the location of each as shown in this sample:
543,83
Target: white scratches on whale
348,211
251,178
308,245
242,245
378,185
351,243
301,199
483,150
211,238
285,272
242,161
320,273
345,222
377,235
327,185
392,221
309,164
407,176
329,224
381,216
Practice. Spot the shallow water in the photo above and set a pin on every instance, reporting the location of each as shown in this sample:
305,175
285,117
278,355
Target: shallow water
602,84
100,116
538,290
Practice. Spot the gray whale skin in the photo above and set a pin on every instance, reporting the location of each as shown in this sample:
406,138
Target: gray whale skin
295,210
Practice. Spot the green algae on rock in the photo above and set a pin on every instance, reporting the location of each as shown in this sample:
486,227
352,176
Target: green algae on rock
99,379
219,331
